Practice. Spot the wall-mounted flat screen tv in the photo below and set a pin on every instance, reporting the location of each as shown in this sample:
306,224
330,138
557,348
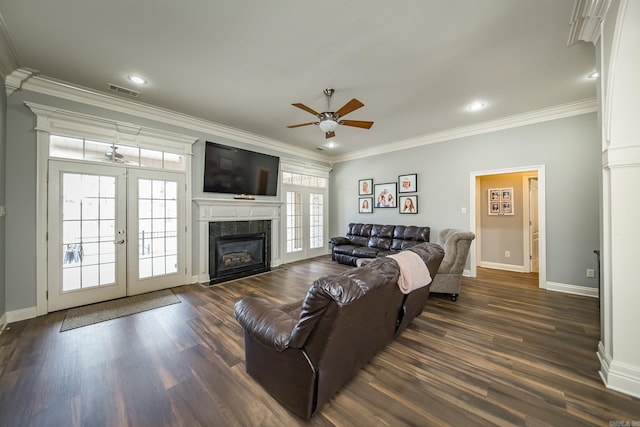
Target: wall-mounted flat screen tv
237,171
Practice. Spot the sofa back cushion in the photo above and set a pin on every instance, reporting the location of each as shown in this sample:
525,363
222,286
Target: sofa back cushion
341,289
406,236
381,236
359,233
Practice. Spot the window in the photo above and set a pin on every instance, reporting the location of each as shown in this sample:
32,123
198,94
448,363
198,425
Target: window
305,180
64,147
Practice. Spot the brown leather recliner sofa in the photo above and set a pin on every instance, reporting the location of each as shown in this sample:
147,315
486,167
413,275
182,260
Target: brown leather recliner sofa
304,352
366,241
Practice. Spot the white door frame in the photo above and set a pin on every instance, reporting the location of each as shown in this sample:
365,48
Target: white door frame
474,207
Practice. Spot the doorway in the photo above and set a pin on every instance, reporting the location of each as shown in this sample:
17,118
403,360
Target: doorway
113,232
526,235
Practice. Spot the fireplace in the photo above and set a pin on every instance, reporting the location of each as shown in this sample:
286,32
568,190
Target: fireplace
238,249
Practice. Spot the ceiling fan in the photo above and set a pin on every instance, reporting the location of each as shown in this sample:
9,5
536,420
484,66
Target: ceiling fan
329,120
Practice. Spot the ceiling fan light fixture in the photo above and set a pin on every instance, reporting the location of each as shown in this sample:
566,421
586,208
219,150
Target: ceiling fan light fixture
328,125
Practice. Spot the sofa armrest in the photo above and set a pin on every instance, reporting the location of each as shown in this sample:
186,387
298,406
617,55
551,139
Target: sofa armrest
339,240
266,323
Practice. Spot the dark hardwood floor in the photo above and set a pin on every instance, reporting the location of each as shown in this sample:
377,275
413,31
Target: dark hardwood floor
505,353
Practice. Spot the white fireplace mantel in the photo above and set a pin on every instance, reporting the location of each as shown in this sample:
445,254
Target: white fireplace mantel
215,210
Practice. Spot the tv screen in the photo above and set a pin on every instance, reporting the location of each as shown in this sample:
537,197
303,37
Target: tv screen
238,171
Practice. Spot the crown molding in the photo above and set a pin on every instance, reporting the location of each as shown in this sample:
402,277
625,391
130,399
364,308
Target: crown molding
586,20
558,112
51,87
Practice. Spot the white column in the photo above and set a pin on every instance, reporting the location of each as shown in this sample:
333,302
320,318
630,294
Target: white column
619,348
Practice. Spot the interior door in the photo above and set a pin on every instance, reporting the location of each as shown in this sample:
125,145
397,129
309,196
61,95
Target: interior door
156,226
534,234
86,234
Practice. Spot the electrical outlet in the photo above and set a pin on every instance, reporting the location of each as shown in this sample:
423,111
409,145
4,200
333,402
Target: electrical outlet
3,211
591,273
507,254
463,210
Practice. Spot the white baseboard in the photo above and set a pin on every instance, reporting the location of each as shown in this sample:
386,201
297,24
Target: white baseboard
618,376
499,266
572,289
22,314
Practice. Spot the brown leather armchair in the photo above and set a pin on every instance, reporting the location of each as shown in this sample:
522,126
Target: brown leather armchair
303,352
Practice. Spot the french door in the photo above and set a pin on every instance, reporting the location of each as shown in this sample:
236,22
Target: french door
112,232
305,227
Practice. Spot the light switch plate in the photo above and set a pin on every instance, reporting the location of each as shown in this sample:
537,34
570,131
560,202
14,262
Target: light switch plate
3,211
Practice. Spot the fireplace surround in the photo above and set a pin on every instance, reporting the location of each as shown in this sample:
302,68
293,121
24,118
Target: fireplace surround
238,249
232,217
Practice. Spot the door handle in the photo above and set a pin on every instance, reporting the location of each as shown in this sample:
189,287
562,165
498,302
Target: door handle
119,242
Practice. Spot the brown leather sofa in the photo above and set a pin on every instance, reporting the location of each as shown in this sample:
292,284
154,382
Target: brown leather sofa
366,241
304,352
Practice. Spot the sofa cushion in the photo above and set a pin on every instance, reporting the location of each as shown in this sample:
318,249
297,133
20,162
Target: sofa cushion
364,252
379,242
359,240
344,288
406,236
357,229
345,249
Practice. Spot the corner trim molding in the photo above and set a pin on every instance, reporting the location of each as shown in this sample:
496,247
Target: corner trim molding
618,376
3,322
8,56
543,115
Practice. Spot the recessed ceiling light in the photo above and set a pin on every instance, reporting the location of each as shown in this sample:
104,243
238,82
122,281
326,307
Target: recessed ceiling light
476,106
137,79
593,75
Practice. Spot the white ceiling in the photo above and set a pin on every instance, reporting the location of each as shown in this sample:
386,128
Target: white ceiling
415,64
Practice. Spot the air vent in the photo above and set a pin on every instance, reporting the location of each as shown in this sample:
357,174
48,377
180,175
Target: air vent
123,90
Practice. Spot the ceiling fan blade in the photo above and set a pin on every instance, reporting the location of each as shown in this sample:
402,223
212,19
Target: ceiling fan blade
357,123
330,134
302,124
305,108
350,106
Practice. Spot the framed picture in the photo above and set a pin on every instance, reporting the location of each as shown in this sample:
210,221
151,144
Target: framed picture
500,201
408,204
365,205
365,187
385,195
408,183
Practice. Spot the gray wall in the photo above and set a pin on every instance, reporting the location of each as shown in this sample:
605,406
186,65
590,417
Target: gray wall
501,233
20,274
569,148
3,144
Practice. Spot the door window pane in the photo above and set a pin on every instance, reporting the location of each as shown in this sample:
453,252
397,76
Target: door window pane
294,221
316,220
157,224
88,230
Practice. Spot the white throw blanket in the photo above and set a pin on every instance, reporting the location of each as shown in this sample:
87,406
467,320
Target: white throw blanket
414,273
